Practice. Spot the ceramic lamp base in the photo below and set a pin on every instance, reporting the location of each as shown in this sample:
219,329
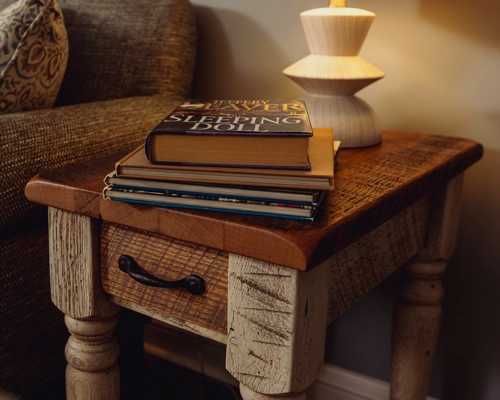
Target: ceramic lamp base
354,122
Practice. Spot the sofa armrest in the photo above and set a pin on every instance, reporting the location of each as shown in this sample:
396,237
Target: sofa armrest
47,139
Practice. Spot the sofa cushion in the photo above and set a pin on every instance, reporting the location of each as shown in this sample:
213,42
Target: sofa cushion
33,55
128,48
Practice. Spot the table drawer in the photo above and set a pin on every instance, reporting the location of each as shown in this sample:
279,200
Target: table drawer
167,259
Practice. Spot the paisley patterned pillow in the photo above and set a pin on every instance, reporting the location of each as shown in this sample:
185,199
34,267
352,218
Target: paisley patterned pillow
33,55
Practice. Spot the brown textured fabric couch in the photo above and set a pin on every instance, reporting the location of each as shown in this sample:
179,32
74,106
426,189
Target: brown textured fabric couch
130,62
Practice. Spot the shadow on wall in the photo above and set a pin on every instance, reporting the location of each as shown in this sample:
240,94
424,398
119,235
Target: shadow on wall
471,322
477,19
236,57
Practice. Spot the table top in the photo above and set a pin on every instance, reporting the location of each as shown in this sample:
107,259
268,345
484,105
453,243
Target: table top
372,185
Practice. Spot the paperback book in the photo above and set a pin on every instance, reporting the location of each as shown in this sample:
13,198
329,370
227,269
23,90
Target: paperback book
233,133
235,191
254,206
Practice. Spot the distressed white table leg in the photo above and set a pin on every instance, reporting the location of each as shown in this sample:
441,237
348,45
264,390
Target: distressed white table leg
249,394
75,280
92,355
417,311
276,327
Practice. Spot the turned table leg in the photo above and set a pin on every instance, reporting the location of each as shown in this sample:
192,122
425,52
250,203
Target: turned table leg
276,327
91,351
92,355
417,311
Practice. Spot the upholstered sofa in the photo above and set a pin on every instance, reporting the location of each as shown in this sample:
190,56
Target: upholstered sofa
130,62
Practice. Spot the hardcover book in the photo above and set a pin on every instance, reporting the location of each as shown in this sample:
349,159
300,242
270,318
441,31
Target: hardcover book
320,177
233,133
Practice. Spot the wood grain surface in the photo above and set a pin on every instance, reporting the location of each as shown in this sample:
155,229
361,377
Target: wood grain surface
75,282
277,324
92,353
361,266
76,188
74,243
371,186
168,259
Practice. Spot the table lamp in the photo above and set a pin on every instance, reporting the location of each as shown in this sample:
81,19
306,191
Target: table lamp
333,73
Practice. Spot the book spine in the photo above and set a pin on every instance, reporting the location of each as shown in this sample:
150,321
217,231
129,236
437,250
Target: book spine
147,147
211,189
157,204
223,165
213,197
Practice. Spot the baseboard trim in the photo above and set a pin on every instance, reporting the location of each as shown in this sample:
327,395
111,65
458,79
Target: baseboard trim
208,357
334,382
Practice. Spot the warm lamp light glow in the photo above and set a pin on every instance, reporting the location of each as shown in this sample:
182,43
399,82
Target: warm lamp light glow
337,3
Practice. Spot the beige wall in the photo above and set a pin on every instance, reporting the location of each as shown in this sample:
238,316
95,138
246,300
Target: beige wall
442,64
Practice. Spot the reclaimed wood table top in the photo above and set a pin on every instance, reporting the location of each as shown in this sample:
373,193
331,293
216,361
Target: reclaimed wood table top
372,185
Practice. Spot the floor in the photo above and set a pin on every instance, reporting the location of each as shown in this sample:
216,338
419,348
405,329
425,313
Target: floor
159,380
172,382
145,377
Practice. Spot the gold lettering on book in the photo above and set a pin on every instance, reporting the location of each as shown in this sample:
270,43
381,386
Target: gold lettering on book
243,105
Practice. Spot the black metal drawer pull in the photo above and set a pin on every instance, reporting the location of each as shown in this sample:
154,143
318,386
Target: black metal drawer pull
192,283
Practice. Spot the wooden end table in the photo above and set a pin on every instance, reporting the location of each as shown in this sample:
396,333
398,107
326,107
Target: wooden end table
272,285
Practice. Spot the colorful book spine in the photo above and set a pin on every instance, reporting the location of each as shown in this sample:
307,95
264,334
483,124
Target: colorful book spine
264,207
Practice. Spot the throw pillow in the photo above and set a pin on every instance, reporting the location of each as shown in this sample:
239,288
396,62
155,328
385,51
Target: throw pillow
33,55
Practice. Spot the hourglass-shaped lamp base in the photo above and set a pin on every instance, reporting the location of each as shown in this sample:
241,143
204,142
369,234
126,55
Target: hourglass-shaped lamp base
333,73
354,122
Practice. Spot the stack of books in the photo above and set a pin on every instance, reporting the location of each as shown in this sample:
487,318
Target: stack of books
258,157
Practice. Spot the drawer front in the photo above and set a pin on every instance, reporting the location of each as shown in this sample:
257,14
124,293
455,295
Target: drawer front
168,259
